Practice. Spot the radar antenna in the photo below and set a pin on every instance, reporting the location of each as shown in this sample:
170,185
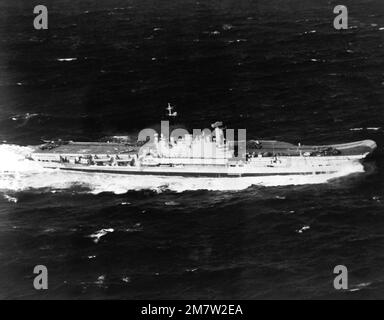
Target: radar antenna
171,113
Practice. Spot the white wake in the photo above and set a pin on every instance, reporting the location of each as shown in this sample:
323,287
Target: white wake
18,174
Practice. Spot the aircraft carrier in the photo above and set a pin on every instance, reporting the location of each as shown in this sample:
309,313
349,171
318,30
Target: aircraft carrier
201,155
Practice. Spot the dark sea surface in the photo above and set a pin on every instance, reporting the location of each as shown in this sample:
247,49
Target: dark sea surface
109,67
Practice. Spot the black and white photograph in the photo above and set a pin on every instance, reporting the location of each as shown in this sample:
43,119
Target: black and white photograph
191,156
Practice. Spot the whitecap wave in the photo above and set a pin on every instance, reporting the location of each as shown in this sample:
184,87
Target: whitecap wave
66,59
100,233
305,228
360,286
10,199
18,174
171,203
25,116
368,129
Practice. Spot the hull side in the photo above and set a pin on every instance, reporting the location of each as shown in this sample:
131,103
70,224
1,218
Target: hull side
258,167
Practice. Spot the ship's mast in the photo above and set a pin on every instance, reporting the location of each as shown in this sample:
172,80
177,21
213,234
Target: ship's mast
171,113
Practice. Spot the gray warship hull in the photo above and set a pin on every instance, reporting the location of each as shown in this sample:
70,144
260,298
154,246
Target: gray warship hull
263,158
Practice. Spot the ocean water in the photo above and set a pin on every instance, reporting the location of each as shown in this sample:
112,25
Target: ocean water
276,68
